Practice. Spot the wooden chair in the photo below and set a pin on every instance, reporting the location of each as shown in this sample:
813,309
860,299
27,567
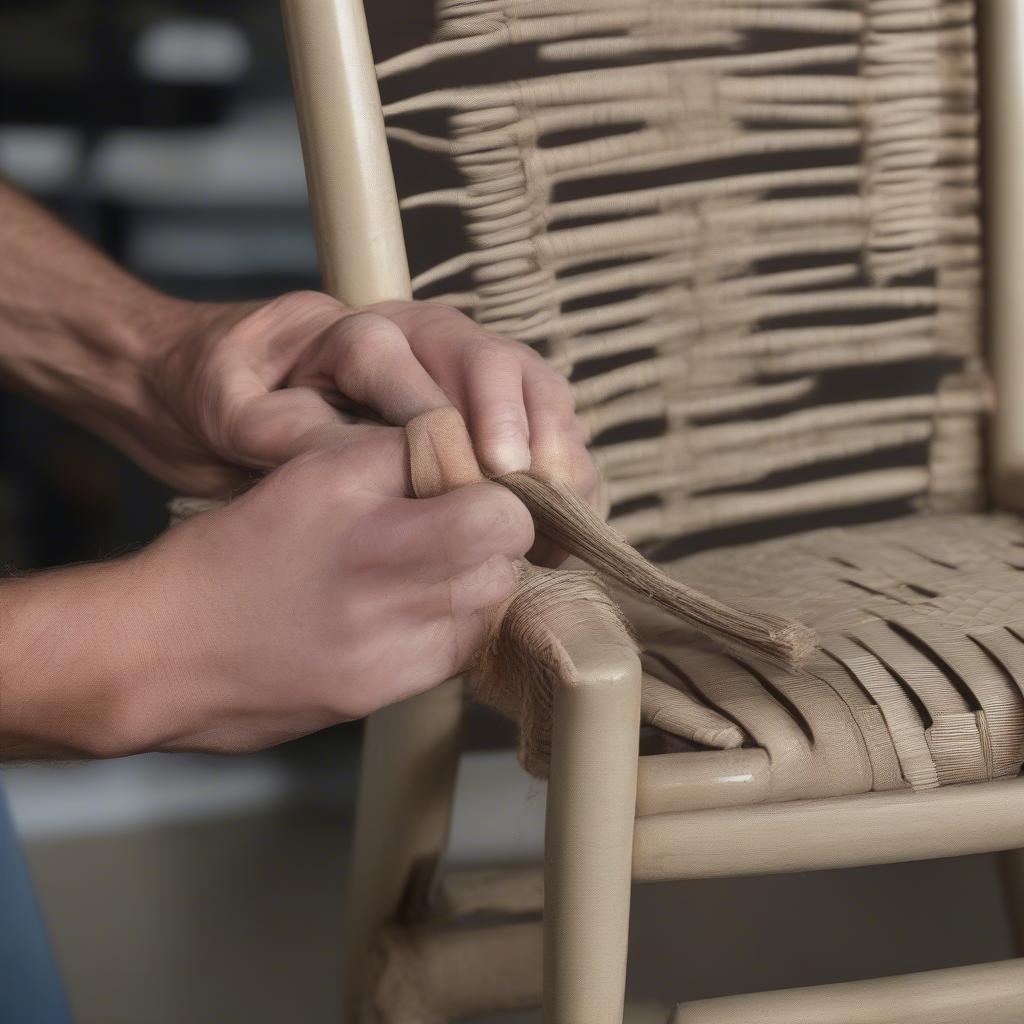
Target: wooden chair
748,347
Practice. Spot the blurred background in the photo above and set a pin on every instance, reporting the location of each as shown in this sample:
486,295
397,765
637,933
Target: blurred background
199,889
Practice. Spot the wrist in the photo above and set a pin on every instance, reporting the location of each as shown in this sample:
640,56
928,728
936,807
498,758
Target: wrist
79,658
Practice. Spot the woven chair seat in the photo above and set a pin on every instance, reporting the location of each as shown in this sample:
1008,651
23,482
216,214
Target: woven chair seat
918,682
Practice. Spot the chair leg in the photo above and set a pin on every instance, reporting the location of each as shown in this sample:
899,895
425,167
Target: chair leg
589,839
406,786
1011,868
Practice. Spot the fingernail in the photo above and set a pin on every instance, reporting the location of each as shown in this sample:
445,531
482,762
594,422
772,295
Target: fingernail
510,456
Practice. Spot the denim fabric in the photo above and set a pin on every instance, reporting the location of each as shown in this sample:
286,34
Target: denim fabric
30,988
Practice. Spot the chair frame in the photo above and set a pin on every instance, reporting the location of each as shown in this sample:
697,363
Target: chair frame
596,843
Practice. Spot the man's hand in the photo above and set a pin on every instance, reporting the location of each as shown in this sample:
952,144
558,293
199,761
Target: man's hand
320,595
253,385
204,394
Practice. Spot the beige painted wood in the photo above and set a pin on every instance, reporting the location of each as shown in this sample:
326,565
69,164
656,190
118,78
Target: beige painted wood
348,170
410,750
839,832
406,785
701,779
589,838
1002,67
1002,79
978,994
472,972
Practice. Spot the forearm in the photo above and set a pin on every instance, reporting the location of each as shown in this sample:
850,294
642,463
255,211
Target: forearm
73,661
75,329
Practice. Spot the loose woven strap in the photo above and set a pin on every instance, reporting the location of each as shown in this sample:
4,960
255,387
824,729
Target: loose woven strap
441,456
919,680
524,659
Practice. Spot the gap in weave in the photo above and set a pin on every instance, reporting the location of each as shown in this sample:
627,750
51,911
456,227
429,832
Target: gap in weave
606,298
572,136
741,534
887,458
854,678
955,679
689,686
909,692
999,666
635,430
634,505
655,742
803,261
924,556
782,699
682,681
769,412
638,181
587,368
757,40
843,562
865,589
602,263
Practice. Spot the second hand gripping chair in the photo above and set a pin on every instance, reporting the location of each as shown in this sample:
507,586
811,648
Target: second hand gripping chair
749,233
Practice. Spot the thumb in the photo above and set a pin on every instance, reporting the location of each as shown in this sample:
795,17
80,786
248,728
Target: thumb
271,428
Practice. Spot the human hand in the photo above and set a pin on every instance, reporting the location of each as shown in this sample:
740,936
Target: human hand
318,596
252,385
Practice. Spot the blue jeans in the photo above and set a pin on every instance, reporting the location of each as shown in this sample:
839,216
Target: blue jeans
30,989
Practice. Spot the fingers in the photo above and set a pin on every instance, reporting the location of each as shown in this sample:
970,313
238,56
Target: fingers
438,539
482,588
369,360
267,428
473,599
480,372
557,440
496,409
519,410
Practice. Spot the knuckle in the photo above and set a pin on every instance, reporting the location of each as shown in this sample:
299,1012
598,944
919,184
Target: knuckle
494,362
501,578
505,419
587,477
532,358
304,301
560,391
371,333
236,430
485,586
439,311
493,517
327,473
367,342
510,521
555,392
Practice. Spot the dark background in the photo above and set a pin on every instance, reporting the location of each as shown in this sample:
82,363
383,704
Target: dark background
163,132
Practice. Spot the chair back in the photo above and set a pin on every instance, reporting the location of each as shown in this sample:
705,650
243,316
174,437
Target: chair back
746,230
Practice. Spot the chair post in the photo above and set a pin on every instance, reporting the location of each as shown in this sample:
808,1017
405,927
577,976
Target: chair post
410,751
589,837
1002,83
351,186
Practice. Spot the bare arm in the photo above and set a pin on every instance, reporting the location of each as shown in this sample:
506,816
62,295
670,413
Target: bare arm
325,591
199,392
